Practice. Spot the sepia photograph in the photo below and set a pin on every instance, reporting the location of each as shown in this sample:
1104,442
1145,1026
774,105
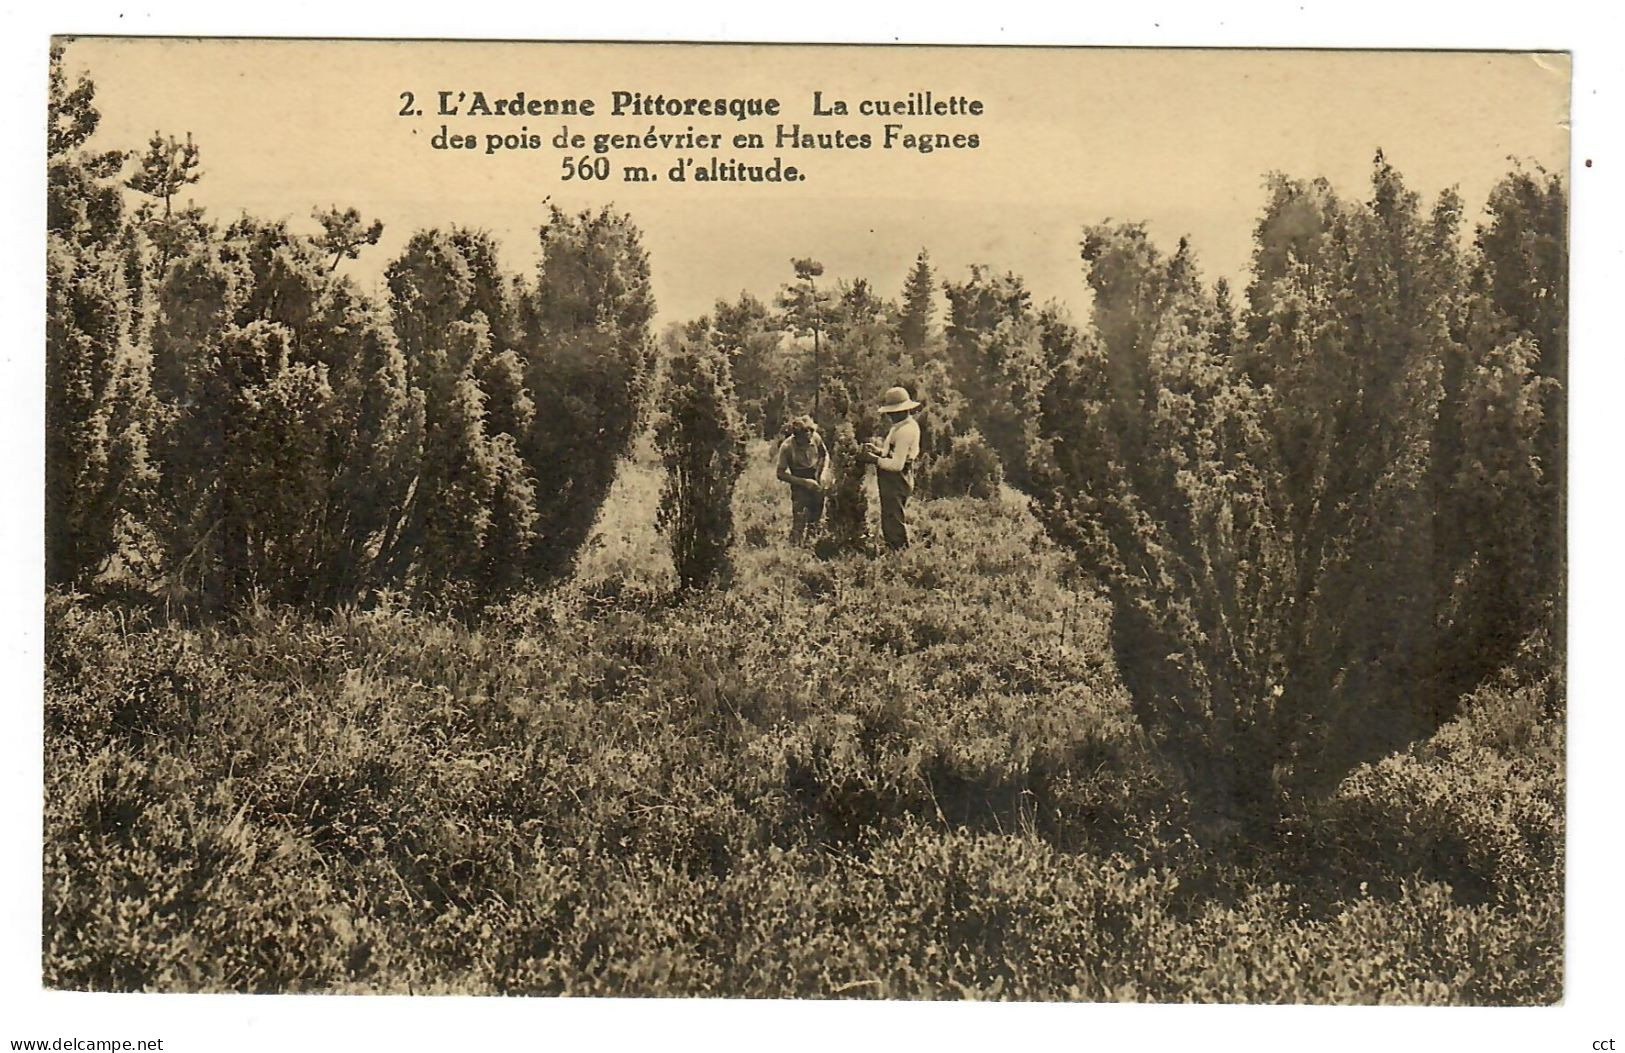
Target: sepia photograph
809,522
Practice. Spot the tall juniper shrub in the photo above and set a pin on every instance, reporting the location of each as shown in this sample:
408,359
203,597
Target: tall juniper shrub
701,438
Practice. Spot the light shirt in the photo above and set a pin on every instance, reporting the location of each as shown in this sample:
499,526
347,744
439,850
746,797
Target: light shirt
901,448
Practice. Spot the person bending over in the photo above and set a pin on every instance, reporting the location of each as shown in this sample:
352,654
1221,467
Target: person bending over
802,458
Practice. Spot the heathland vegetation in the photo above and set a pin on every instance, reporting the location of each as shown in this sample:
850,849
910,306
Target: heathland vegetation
449,639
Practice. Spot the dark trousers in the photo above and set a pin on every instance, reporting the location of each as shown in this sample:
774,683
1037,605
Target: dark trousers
806,509
895,490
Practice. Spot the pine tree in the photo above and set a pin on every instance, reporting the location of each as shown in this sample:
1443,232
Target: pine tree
804,311
168,167
854,307
345,234
919,304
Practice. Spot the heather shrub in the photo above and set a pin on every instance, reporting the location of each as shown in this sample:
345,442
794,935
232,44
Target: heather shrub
1478,805
826,781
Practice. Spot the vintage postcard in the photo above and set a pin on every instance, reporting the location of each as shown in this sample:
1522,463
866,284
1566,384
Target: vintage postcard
805,522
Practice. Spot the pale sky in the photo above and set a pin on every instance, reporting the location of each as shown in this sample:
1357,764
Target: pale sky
1182,140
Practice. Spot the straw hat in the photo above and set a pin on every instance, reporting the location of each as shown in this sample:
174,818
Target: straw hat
897,400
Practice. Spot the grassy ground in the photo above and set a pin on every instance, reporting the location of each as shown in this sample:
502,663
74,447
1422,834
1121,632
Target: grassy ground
907,777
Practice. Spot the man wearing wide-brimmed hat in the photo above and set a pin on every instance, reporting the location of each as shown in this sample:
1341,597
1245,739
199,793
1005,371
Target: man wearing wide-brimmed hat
894,459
